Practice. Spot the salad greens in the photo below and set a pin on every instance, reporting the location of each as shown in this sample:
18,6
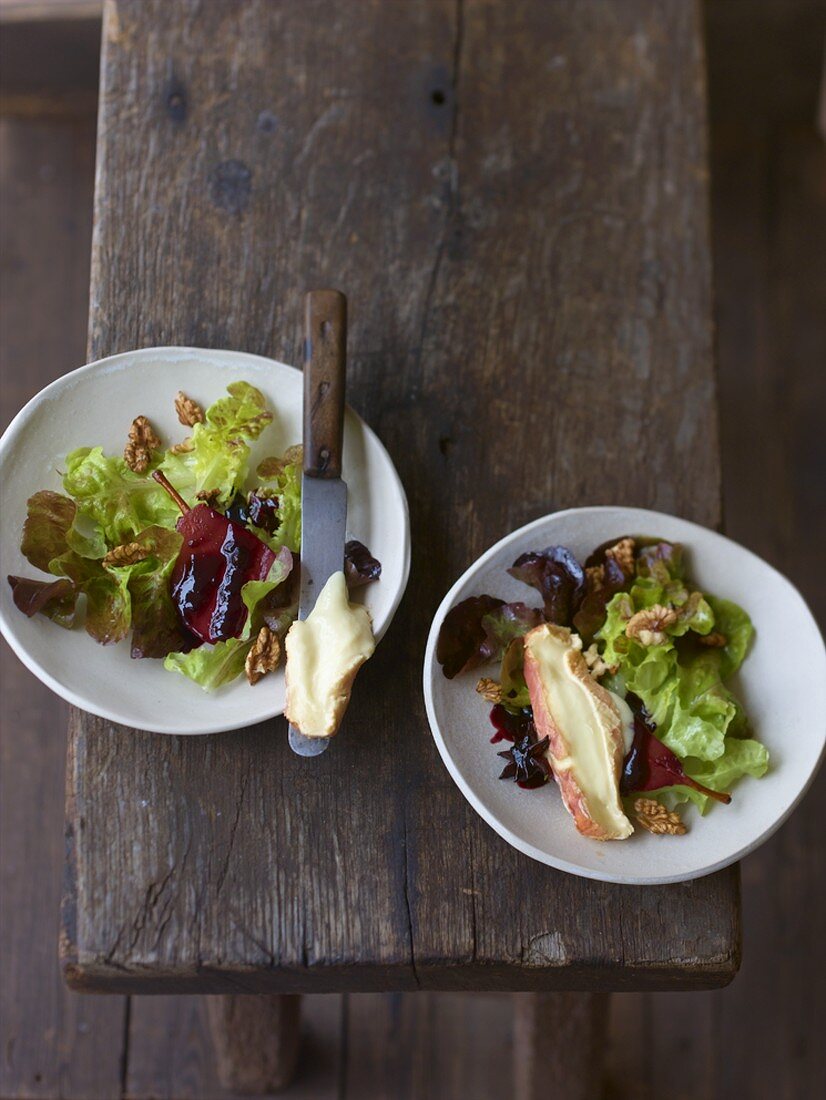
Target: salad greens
114,550
110,542
650,635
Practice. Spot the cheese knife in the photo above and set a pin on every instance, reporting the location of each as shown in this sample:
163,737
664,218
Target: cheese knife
323,493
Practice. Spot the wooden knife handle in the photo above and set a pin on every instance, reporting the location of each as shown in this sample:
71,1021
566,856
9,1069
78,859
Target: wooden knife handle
324,371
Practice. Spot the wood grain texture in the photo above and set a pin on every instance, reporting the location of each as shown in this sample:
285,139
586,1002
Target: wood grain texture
559,1045
172,1055
504,194
53,1042
256,1041
325,382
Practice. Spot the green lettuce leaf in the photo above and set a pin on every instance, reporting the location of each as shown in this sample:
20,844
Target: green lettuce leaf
257,595
515,694
682,684
218,454
741,758
211,666
86,538
284,479
731,620
115,501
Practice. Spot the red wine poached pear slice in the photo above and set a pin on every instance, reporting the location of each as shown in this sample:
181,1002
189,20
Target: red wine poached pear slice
216,560
650,765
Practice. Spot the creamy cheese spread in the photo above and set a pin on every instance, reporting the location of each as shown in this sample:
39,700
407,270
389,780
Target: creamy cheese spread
324,653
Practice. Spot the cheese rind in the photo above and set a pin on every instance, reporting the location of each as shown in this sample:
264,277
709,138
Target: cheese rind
324,653
584,728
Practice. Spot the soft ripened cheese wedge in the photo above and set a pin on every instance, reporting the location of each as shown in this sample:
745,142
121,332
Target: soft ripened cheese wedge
324,653
584,728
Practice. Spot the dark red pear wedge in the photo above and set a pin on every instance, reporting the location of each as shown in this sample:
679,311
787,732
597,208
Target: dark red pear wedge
217,558
651,765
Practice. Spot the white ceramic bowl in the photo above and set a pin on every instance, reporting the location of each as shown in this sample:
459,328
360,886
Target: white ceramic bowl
95,406
782,683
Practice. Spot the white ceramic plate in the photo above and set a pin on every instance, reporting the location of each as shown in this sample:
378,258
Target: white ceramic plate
782,683
95,406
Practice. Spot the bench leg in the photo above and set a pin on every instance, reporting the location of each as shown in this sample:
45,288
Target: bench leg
558,1046
256,1041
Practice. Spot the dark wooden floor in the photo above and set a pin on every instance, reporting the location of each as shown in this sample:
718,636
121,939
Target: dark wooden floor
760,1038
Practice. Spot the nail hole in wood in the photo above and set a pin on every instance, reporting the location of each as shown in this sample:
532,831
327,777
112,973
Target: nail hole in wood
175,99
267,122
438,96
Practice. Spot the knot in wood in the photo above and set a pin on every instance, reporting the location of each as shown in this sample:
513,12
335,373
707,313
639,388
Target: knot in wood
231,186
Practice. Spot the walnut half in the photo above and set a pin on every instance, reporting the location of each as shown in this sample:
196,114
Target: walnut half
264,655
649,625
189,411
143,440
654,817
716,640
128,554
490,690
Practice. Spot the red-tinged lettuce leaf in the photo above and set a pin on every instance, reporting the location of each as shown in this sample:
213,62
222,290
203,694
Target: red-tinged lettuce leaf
360,567
462,637
590,615
56,600
157,628
108,609
108,604
48,522
661,560
558,576
597,556
505,624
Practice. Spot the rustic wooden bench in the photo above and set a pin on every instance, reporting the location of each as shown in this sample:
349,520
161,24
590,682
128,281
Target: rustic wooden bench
514,199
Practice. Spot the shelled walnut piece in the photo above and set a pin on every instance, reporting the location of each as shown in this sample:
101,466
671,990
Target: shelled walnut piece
143,440
654,817
189,411
622,553
490,690
264,656
128,554
649,625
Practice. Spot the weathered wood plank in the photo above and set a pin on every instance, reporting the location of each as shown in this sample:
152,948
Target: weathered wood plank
515,203
54,1043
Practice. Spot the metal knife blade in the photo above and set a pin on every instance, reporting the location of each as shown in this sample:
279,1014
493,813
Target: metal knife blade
323,493
323,530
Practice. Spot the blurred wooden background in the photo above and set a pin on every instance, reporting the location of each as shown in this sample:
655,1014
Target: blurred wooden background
760,1037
